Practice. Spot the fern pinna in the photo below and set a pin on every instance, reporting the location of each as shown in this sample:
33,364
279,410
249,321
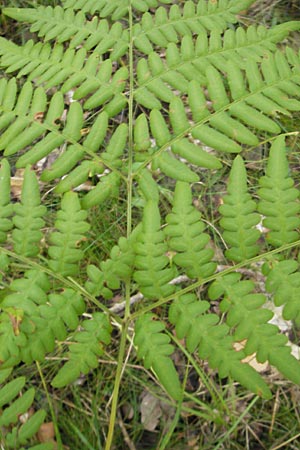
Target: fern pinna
133,105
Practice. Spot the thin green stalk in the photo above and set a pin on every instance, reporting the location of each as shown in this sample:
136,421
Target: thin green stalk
176,418
207,382
115,394
52,412
233,427
130,120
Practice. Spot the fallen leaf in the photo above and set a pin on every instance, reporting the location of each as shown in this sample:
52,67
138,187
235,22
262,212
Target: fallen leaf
151,412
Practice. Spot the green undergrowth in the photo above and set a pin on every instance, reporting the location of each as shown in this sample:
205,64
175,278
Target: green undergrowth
149,224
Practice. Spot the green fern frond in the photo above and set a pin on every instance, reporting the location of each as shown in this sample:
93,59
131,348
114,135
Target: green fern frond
71,225
31,121
12,408
185,235
153,346
85,349
116,8
152,273
94,141
16,317
74,70
6,208
23,308
239,217
188,63
37,319
107,187
250,322
27,219
204,332
119,267
279,198
283,281
62,312
271,85
65,25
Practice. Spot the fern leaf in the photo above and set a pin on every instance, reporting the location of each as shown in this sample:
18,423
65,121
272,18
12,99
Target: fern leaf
272,81
86,347
283,281
152,272
20,406
28,217
203,331
65,25
189,62
163,28
250,322
153,346
62,311
278,198
6,208
107,187
71,225
148,186
74,69
239,217
29,337
119,267
11,410
185,232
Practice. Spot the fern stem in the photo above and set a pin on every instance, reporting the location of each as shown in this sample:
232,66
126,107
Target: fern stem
130,120
115,394
52,412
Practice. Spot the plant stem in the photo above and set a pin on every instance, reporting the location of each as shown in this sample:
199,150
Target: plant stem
57,433
115,395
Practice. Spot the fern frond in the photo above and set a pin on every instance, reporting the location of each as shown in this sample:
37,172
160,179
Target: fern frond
250,322
37,319
16,319
12,408
86,347
279,198
93,142
185,235
204,332
189,62
152,273
153,346
119,267
107,187
227,126
48,21
65,25
62,312
72,69
28,217
6,208
31,121
283,281
116,9
239,217
71,225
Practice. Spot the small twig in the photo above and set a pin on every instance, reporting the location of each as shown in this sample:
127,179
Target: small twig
127,439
